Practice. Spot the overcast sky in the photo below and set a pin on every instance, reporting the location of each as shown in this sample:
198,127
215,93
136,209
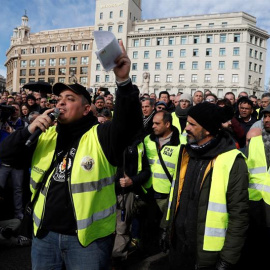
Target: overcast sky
51,14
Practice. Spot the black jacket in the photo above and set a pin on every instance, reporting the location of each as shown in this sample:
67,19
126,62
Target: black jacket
188,224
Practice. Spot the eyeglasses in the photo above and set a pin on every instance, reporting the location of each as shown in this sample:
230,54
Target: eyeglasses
210,100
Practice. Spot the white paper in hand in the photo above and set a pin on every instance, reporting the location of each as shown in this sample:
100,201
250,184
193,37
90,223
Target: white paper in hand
108,48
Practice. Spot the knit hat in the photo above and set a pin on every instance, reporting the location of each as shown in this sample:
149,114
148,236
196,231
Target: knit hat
186,97
208,115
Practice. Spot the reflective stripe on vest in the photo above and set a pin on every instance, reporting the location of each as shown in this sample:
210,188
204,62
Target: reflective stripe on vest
158,178
92,180
259,177
217,216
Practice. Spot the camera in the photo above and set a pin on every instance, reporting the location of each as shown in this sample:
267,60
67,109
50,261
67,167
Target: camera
5,112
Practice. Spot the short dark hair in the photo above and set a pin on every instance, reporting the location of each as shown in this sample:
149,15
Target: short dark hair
230,93
212,95
151,101
253,96
164,93
265,95
166,117
224,102
245,100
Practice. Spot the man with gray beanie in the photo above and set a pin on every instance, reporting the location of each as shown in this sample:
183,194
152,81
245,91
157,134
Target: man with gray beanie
208,205
179,117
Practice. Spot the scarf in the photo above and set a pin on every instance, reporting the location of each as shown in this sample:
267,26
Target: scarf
147,119
182,113
266,142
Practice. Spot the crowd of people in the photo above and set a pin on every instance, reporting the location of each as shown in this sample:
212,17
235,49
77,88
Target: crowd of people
180,174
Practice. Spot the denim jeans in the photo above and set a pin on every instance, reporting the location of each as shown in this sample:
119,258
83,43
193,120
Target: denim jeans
16,177
55,250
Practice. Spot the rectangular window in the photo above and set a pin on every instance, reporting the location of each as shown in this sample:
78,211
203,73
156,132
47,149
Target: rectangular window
249,79
183,40
97,78
74,47
120,28
186,25
182,65
158,54
52,62
195,65
146,54
221,65
134,66
236,51
157,66
256,54
261,56
107,78
256,41
23,72
62,61
98,66
224,24
222,51
183,53
151,29
251,38
181,78
157,78
260,68
196,39
211,24
198,25
236,38
84,60
169,65
111,15
85,47
63,48
100,28
162,28
110,28
101,15
32,63
121,13
73,60
73,70
159,41
134,78
255,67
235,65
195,52
22,81
43,49
33,50
171,41
194,78
32,72
83,70
169,78
83,80
51,71
260,82
207,78
222,38
250,53
208,52
249,65
209,39
61,79
145,66
41,71
208,65
62,71
235,78
42,62
23,63
136,43
221,78
135,54
24,51
170,53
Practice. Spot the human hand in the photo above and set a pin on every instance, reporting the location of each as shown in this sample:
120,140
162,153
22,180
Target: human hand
42,122
125,181
123,63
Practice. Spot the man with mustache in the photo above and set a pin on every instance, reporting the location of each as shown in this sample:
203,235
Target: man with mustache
208,206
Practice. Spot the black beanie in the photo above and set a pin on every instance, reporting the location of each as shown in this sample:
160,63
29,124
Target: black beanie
207,115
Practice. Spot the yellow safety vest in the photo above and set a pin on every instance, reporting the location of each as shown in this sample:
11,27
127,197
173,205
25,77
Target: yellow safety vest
158,178
91,185
217,216
259,174
176,123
